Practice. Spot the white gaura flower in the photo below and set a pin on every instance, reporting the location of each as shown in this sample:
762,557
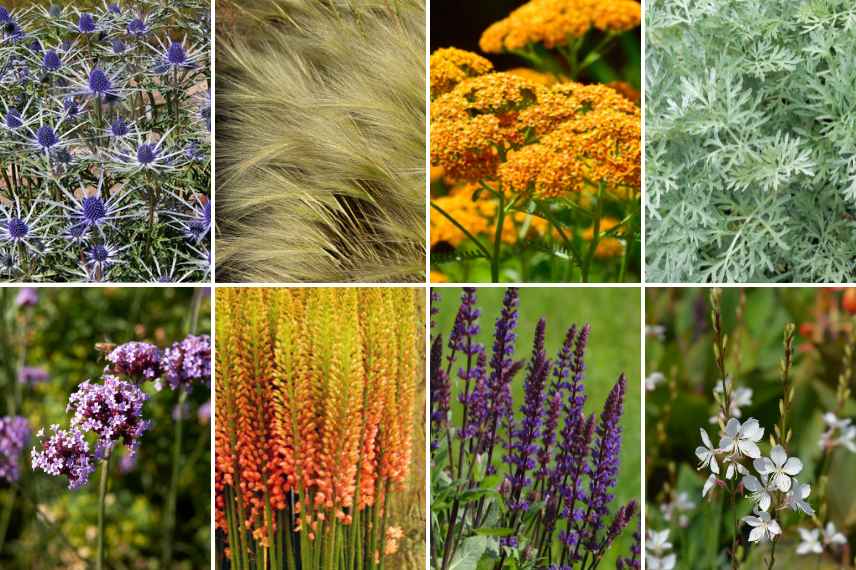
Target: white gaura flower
657,542
780,467
764,527
706,454
796,498
665,563
742,438
708,485
810,541
831,536
657,547
733,466
739,398
653,380
677,508
838,432
760,490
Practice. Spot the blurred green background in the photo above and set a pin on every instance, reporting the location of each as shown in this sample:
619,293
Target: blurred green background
614,347
52,527
754,320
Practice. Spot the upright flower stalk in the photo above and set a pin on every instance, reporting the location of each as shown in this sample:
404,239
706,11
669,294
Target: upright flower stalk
315,392
530,488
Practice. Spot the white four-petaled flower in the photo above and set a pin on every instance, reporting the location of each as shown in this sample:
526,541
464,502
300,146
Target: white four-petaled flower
707,454
743,438
760,490
810,541
831,536
657,547
764,527
780,467
796,498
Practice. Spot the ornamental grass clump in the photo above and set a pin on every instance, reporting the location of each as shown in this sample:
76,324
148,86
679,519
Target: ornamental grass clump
321,141
540,153
751,148
315,406
525,484
104,137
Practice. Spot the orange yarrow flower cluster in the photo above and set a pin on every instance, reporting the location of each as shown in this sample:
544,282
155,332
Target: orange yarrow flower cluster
556,22
314,411
450,66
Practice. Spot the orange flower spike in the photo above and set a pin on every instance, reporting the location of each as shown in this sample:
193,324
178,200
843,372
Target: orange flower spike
450,66
224,456
408,336
351,407
281,466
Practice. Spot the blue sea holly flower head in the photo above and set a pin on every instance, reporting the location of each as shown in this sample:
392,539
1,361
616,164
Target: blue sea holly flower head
138,27
173,55
76,234
146,155
86,23
15,118
51,61
195,219
99,258
25,227
165,274
96,209
47,138
118,46
120,129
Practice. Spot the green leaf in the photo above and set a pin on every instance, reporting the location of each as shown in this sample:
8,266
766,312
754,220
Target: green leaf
470,552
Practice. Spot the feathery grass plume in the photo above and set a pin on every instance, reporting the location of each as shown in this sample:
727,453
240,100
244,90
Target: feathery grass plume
315,390
321,158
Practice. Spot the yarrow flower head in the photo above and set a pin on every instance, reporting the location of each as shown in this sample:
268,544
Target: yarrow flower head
14,436
450,66
186,362
112,410
67,453
554,22
137,360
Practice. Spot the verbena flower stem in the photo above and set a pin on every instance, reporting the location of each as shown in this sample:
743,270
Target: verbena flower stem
102,507
169,523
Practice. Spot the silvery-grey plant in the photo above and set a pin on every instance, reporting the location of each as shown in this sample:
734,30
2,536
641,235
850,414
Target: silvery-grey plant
751,141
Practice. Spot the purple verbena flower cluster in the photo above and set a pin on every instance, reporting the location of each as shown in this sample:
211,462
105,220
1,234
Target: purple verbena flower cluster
32,375
66,452
556,459
14,435
137,360
112,410
186,362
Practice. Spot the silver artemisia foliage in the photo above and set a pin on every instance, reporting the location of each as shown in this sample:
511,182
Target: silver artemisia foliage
321,142
751,141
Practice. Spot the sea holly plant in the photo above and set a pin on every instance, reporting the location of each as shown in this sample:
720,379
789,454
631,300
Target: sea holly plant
751,150
521,484
104,143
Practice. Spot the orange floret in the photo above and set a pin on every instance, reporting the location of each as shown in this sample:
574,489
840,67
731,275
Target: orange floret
599,147
555,22
545,79
450,66
476,121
